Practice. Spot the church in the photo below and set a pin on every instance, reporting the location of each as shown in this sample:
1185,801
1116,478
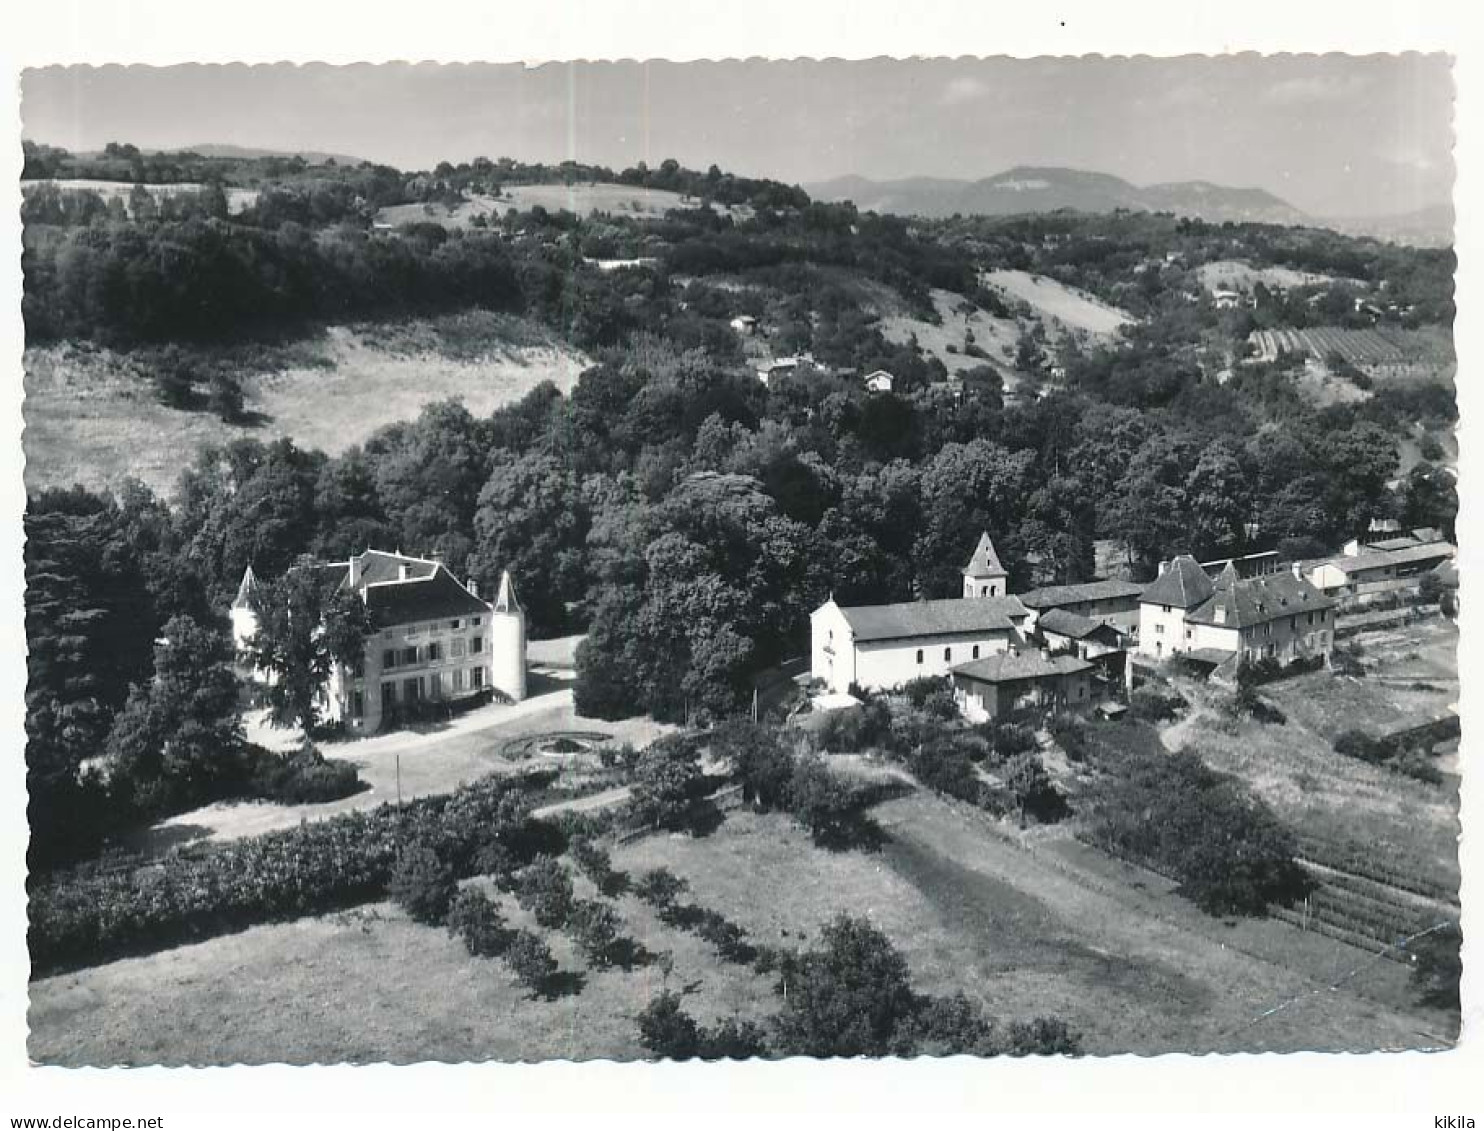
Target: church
434,640
883,646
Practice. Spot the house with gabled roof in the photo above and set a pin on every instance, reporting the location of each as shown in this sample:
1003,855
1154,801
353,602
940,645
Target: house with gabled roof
1280,616
434,640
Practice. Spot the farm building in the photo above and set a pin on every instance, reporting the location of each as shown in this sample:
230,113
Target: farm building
877,647
880,381
781,365
1111,600
1280,616
1018,678
1371,570
1098,641
1247,565
744,324
984,576
434,640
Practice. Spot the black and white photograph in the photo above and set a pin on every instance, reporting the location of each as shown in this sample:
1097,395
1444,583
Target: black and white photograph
740,559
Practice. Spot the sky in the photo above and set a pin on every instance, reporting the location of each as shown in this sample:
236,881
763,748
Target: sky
1333,135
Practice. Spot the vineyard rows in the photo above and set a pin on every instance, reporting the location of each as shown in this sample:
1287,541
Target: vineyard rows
1371,347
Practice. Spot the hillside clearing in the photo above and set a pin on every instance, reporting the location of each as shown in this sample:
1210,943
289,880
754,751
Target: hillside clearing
1240,275
584,200
1059,305
997,337
92,416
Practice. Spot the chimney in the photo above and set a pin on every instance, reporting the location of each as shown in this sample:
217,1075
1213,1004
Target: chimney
1163,566
354,576
402,571
472,586
1298,570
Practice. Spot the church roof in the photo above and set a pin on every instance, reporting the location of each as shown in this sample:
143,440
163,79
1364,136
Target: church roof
1183,585
951,617
247,591
985,562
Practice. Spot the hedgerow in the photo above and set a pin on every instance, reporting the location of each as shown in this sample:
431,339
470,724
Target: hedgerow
81,918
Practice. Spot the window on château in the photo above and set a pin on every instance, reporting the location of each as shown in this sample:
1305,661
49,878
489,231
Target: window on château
476,645
919,655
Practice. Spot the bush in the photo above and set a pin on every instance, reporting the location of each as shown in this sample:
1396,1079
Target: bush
1358,744
1248,702
305,777
476,919
595,928
423,885
1156,705
660,888
667,784
1030,785
945,765
854,729
1419,765
530,959
667,1031
545,890
759,759
593,861
919,690
1011,739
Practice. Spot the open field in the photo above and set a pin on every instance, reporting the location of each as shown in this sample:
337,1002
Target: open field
618,200
1239,275
1028,924
997,337
238,199
1059,305
1325,796
92,416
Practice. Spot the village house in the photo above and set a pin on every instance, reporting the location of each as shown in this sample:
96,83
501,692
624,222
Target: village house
878,647
1019,678
1094,640
744,324
1280,616
434,640
1111,600
880,381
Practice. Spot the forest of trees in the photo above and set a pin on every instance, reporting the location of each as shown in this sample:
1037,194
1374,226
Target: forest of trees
682,514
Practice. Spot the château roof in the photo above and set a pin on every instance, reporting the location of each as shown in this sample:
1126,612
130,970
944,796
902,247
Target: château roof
432,597
985,562
953,617
1183,585
505,600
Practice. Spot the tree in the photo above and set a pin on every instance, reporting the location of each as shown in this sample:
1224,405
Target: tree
1430,498
306,625
667,782
1437,966
595,926
225,398
820,801
667,1031
758,758
531,960
179,739
848,997
545,888
475,918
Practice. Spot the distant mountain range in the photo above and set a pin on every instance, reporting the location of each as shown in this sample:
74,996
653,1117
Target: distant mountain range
1027,189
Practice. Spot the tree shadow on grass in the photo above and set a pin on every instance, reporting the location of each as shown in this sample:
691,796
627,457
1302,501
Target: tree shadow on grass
629,955
564,983
858,832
